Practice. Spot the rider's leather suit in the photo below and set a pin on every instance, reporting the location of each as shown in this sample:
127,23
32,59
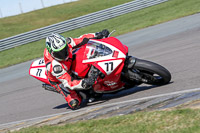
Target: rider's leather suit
59,71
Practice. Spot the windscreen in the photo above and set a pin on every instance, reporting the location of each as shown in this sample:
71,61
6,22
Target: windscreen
97,50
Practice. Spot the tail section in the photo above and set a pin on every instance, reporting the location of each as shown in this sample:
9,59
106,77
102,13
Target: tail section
38,70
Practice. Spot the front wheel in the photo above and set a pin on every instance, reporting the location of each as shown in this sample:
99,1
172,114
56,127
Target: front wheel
152,73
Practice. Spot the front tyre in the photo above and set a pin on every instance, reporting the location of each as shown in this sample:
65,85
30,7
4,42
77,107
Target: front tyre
152,73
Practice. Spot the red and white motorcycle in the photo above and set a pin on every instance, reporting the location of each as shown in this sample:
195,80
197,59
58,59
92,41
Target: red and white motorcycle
118,70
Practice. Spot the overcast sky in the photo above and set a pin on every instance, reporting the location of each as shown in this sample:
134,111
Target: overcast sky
14,7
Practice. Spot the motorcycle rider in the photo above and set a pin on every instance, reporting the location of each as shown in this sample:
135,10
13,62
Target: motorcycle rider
58,60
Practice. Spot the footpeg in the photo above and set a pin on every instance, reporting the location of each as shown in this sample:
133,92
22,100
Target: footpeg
49,87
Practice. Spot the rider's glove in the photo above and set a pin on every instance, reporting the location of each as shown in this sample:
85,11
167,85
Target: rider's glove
85,40
87,83
105,33
102,34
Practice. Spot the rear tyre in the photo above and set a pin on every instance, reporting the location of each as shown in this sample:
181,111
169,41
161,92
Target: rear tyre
152,73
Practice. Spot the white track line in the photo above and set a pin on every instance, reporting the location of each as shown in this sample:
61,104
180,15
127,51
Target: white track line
133,100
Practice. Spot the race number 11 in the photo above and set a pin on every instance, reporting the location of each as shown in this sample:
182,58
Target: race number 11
109,66
38,72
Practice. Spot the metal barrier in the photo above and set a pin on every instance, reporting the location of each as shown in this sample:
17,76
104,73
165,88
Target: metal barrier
75,23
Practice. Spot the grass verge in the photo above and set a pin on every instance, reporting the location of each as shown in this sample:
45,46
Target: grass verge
29,21
170,10
173,121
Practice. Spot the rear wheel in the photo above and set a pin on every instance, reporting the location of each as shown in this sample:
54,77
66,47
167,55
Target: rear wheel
152,73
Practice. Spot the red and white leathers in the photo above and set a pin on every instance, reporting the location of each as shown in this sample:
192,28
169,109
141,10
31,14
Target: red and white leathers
59,71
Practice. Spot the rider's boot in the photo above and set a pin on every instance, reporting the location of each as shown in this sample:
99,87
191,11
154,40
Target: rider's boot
73,103
72,98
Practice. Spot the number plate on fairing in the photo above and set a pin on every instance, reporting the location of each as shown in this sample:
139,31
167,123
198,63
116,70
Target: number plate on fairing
38,69
38,72
109,66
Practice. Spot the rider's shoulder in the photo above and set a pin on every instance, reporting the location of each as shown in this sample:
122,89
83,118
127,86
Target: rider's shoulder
55,62
52,64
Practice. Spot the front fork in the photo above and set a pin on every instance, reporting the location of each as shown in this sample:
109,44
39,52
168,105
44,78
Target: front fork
130,62
130,73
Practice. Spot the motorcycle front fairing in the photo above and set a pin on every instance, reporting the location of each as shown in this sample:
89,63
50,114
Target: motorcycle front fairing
108,55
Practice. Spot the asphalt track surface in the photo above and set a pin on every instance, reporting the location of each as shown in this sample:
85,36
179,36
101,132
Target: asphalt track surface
174,44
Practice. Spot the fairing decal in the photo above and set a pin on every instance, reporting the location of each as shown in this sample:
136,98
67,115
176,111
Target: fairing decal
38,70
38,63
109,66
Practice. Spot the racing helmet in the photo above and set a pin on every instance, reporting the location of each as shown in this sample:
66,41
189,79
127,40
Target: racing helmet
57,47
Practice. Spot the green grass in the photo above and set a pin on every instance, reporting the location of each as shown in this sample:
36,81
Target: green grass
174,121
170,10
29,21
